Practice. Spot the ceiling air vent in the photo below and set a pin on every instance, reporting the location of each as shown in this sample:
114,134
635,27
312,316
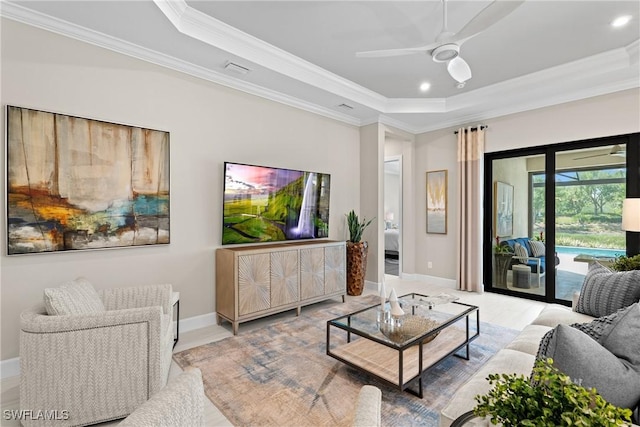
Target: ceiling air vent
345,106
239,69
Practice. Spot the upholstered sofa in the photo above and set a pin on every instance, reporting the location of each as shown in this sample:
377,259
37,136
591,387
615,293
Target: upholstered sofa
534,259
99,365
518,357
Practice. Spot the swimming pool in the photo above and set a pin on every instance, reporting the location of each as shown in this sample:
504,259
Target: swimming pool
597,252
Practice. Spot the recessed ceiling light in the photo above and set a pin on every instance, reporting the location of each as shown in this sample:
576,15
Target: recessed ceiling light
621,21
425,86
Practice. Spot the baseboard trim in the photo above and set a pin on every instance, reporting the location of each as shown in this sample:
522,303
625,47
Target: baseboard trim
9,368
440,281
435,280
197,322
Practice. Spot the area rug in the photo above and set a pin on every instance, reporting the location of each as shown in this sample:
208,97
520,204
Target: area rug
280,375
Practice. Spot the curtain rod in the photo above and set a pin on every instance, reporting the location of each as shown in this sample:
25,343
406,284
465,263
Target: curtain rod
473,129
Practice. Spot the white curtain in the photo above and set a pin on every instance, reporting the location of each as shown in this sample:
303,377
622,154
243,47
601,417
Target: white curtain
469,217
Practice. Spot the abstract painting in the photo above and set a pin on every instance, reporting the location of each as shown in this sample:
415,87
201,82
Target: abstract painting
76,183
503,209
437,202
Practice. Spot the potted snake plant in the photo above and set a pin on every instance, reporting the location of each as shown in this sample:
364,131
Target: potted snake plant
356,253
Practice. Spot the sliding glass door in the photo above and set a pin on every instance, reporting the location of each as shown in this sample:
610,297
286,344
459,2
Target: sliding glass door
590,186
517,264
552,211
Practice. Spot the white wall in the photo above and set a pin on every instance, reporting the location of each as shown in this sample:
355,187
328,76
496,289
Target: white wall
372,197
208,124
435,151
613,114
513,171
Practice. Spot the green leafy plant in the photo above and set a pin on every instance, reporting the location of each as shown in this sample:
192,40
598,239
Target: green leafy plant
539,237
356,227
626,263
500,248
549,398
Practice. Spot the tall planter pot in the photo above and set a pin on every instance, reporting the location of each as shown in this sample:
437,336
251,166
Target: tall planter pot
356,267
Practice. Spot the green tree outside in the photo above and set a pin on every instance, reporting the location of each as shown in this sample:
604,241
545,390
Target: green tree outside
588,210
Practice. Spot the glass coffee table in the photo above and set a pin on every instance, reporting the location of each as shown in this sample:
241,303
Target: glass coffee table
398,350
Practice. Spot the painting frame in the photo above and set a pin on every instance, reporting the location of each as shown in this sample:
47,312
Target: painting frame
77,184
437,188
503,209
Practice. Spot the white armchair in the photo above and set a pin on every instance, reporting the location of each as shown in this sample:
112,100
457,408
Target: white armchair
179,404
96,367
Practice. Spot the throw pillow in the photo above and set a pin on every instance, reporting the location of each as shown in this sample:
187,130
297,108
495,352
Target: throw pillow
604,291
75,297
621,336
520,251
602,326
591,365
537,248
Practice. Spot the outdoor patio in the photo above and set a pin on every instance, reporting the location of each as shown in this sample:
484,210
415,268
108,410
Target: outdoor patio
570,276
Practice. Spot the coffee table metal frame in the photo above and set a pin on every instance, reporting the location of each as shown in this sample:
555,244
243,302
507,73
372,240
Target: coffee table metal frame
419,340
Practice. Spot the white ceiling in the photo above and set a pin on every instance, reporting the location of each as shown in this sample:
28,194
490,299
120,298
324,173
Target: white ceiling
302,53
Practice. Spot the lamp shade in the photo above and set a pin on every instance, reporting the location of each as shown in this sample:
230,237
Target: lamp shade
631,214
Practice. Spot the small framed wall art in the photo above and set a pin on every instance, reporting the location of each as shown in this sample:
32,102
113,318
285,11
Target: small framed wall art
437,202
75,183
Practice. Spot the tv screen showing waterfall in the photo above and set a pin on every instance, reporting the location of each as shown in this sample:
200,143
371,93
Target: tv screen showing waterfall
266,204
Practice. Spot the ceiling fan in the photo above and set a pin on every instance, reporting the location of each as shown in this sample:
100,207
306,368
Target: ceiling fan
446,47
616,150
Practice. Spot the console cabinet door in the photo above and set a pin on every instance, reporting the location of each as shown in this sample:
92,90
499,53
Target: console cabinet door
334,269
311,273
254,290
285,287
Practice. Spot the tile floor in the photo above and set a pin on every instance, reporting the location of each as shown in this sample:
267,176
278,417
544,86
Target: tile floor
502,310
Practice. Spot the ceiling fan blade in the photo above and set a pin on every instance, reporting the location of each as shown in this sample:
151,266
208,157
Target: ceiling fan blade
617,150
397,52
588,157
487,17
459,69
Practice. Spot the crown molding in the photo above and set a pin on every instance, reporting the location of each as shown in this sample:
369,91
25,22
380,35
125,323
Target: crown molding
633,50
516,95
214,32
21,14
528,87
398,124
531,104
416,105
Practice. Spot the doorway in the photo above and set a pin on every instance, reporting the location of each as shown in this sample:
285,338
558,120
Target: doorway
393,215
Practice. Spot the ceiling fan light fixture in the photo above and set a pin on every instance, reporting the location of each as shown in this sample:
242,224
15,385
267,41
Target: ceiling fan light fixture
459,70
445,53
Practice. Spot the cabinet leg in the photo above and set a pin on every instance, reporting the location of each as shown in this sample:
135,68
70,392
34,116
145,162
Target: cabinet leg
343,298
235,327
298,310
218,319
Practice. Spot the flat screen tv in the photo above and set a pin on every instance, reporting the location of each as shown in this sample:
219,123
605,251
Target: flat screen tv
267,204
